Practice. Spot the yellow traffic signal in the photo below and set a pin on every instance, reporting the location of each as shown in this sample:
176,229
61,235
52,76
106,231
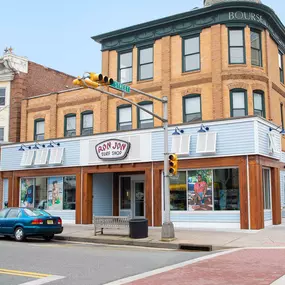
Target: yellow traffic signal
173,164
79,82
93,80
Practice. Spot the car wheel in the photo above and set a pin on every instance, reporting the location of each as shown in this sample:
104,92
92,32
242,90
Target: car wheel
48,238
19,234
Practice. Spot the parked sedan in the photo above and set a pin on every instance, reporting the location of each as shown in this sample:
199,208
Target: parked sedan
24,222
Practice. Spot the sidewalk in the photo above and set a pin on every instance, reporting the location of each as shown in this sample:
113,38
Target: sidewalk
192,239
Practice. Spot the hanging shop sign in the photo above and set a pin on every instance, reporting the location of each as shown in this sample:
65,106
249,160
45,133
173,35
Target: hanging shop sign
112,149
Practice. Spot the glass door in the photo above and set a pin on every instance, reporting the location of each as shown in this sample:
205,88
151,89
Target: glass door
139,201
125,196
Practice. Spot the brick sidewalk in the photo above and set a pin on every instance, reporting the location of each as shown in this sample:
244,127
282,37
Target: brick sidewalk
242,267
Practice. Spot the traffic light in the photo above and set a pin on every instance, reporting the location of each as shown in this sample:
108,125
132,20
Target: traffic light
173,164
93,80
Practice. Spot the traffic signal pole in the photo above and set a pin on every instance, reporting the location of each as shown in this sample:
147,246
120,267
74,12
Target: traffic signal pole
167,232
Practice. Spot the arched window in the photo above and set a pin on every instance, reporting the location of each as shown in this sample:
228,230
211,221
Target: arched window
145,120
258,103
87,123
39,129
238,101
70,125
192,110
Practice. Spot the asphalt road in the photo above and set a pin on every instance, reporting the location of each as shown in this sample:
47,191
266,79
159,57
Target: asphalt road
78,263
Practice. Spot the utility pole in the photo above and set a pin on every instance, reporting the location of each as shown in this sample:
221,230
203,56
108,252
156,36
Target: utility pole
94,81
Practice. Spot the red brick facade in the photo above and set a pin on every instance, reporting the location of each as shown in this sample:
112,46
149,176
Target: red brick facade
38,80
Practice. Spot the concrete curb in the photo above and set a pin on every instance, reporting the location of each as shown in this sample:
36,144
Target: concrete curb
162,245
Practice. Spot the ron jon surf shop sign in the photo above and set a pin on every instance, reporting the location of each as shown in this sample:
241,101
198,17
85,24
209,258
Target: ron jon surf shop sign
112,149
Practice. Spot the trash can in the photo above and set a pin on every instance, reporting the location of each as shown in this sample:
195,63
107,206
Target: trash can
138,228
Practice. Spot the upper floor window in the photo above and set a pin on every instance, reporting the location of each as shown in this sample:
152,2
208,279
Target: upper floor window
39,130
145,120
256,53
124,117
281,70
236,46
258,103
87,123
2,96
145,63
126,67
1,134
70,125
192,108
191,54
238,103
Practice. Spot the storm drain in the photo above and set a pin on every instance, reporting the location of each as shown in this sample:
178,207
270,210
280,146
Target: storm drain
192,247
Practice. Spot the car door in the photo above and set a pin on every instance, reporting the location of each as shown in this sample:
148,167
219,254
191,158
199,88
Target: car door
3,214
7,223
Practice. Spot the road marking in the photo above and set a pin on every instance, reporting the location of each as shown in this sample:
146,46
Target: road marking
23,273
43,280
171,267
280,281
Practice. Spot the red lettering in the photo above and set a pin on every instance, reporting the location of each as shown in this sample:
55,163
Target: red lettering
99,148
109,145
123,146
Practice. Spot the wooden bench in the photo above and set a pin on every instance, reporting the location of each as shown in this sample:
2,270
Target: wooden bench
110,222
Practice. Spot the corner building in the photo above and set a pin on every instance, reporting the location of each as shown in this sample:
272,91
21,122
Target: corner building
221,68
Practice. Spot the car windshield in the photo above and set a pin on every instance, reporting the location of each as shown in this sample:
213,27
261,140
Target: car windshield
36,212
3,213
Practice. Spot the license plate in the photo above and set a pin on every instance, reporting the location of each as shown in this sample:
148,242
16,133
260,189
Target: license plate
50,222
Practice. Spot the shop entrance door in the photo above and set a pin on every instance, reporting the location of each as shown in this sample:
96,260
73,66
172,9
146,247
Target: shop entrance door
138,200
132,196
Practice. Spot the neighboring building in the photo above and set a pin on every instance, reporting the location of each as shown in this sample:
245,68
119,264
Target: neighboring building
222,66
19,79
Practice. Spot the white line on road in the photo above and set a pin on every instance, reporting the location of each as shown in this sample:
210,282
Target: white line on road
171,267
43,280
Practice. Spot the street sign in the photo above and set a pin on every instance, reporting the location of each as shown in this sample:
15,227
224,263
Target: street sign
119,86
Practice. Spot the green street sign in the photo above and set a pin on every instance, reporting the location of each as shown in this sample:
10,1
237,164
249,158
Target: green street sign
119,86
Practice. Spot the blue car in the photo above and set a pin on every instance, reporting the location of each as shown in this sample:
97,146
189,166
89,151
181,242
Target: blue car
25,222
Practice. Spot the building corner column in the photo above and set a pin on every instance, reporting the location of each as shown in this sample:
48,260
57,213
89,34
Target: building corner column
276,196
256,194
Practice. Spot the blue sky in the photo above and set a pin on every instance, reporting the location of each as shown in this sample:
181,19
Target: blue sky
57,33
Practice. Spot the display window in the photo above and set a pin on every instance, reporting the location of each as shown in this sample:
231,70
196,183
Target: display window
51,193
205,190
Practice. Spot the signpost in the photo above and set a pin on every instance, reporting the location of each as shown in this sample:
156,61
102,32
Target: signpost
121,87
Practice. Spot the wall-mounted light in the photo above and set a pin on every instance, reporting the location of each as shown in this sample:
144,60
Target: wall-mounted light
38,144
52,144
22,148
177,132
203,129
282,132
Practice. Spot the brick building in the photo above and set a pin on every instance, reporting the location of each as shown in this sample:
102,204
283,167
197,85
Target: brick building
221,68
19,79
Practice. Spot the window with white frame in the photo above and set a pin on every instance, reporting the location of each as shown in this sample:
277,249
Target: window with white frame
191,54
2,96
258,103
124,118
1,134
145,120
256,51
125,67
192,108
236,46
145,63
238,103
39,130
266,188
70,125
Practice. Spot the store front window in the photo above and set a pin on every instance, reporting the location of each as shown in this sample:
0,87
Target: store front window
51,193
205,190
